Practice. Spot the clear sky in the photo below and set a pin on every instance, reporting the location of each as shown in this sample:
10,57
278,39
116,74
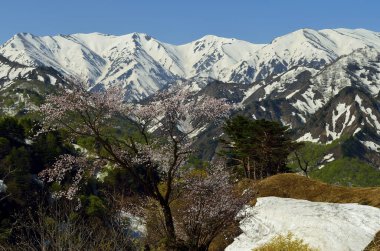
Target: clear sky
180,21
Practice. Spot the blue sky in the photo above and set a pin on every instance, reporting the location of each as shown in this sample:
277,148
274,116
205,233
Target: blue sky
176,21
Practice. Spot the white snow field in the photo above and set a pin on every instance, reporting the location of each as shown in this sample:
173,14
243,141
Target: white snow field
326,226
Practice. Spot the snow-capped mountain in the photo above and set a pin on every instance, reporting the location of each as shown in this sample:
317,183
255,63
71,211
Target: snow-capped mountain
23,88
307,89
323,84
142,64
138,62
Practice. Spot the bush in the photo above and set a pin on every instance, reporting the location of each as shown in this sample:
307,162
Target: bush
95,206
285,243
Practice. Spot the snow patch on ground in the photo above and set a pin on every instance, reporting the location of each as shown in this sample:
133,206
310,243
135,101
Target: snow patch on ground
375,123
40,78
357,130
341,109
328,158
308,137
197,131
358,100
292,94
371,145
136,224
194,87
250,91
301,117
3,187
310,105
321,166
327,226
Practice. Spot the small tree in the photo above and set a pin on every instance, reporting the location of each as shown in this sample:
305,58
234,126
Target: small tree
209,205
303,163
260,147
307,157
172,115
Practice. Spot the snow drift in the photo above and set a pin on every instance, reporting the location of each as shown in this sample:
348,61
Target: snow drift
327,226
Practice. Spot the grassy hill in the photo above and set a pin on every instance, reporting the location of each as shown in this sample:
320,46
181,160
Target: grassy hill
300,187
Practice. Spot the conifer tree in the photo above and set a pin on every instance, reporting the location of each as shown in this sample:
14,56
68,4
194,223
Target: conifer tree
259,147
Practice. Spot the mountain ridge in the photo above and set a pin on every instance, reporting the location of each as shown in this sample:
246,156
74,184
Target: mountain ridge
297,79
142,64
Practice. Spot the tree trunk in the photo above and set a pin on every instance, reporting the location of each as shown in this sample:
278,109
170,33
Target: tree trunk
248,168
245,168
169,224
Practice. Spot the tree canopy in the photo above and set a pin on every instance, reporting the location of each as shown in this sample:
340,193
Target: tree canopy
259,147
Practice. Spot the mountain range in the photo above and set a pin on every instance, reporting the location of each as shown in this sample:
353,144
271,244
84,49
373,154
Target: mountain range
143,64
323,84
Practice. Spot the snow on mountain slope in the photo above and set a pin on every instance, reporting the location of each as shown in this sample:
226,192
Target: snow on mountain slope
353,111
347,90
311,48
23,88
327,226
142,64
308,89
360,68
305,47
213,56
10,71
63,53
345,40
137,62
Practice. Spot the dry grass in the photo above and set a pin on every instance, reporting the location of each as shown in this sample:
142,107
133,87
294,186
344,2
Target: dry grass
225,238
299,187
375,244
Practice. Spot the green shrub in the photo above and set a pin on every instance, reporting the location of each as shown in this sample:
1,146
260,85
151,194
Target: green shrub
95,206
285,243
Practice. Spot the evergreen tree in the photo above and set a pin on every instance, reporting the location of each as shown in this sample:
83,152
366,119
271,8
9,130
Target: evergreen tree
259,147
20,162
12,130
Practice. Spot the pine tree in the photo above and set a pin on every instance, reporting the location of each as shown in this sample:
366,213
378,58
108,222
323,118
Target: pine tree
259,147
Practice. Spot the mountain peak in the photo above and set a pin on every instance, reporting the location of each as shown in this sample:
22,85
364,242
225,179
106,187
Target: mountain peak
139,61
213,37
23,35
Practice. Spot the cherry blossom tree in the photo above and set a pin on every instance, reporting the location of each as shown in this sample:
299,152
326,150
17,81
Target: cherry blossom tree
210,205
163,131
67,171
